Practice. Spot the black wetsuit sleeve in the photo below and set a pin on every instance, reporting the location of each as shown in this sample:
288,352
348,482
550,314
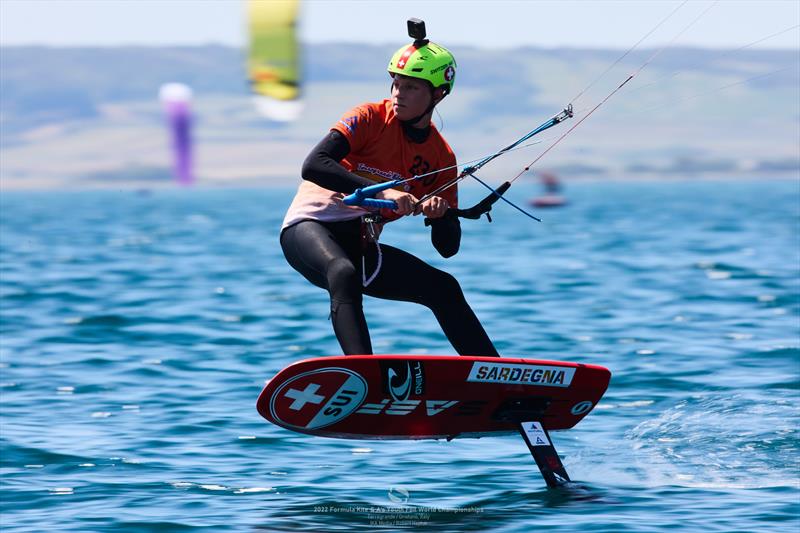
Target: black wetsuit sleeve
446,235
322,165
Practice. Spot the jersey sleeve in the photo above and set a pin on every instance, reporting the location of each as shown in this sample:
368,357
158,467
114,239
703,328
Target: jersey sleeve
356,125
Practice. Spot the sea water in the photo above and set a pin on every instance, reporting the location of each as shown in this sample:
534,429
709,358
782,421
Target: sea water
138,328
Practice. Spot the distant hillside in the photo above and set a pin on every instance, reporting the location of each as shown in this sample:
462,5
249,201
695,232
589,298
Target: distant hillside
39,83
58,101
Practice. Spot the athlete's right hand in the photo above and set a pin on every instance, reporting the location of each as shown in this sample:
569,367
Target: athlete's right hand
406,202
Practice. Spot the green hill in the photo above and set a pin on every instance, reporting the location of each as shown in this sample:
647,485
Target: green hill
84,115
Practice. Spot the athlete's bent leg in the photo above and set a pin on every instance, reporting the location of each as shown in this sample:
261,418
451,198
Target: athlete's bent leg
407,278
347,311
322,253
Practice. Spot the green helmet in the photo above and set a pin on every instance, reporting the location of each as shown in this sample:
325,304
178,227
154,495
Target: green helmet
429,62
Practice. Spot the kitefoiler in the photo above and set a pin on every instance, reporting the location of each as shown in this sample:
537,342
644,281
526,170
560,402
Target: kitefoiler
374,166
552,196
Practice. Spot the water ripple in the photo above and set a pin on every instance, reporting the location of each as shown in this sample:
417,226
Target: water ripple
138,330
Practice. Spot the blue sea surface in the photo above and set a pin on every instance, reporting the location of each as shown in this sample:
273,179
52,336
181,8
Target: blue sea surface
138,329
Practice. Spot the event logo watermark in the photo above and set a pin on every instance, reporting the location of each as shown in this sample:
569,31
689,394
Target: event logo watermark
398,495
401,513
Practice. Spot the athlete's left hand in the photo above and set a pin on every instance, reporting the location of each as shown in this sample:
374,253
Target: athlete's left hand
433,207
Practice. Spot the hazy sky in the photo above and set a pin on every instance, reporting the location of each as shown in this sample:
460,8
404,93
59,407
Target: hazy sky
483,23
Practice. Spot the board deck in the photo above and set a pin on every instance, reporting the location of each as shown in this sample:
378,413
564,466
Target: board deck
429,397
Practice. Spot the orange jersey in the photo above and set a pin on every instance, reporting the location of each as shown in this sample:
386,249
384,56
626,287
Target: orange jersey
380,151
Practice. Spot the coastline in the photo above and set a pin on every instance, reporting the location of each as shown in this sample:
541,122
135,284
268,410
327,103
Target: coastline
278,182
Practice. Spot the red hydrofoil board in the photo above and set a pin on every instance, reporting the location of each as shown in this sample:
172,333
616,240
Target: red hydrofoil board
429,397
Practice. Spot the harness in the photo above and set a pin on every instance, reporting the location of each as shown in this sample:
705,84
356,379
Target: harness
370,234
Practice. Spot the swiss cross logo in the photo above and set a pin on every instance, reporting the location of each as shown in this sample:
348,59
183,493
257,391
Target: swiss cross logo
401,63
318,398
305,396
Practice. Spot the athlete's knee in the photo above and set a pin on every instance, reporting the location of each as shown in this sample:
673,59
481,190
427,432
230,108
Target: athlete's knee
444,290
344,281
447,282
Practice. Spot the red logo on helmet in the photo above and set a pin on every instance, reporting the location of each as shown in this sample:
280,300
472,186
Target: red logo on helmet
401,63
450,73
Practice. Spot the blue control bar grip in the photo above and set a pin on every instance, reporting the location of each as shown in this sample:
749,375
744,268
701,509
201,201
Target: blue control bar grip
372,202
364,196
